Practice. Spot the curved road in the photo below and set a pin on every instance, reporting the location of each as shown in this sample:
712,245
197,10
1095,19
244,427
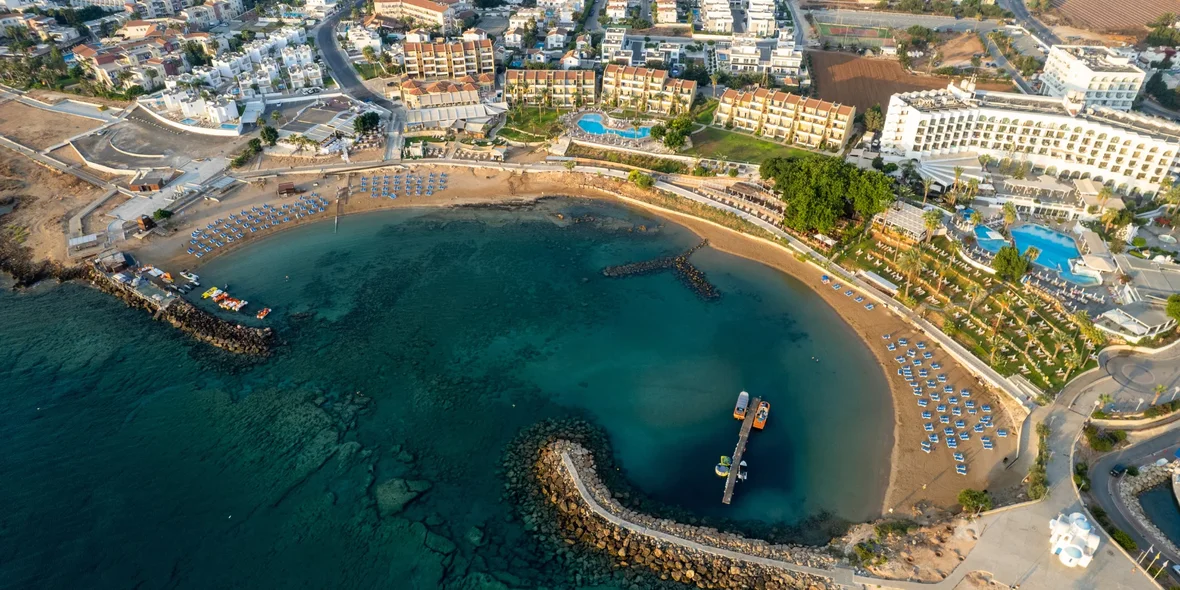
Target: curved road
338,62
1030,22
1103,485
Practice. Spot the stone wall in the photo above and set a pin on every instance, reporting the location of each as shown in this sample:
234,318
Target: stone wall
1129,488
642,541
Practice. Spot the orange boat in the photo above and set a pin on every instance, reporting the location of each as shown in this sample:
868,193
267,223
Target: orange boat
739,411
762,415
262,314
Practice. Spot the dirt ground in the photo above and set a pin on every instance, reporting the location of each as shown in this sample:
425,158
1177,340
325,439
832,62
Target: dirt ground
53,97
1073,35
38,128
863,82
958,50
925,554
47,199
1104,16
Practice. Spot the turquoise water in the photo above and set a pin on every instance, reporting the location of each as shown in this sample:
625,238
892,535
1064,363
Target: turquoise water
1056,248
592,123
1159,504
137,458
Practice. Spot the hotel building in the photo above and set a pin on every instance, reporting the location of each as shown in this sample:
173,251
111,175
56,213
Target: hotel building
1097,76
1132,152
786,117
558,88
449,60
426,12
650,91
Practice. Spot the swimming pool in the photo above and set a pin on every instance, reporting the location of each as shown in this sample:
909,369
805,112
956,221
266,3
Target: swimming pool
1056,248
592,123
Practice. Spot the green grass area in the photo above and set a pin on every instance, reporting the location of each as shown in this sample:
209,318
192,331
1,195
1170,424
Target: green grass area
531,124
368,71
851,31
720,144
639,161
705,114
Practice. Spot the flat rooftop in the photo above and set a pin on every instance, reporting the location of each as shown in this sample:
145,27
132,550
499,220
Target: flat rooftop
1100,59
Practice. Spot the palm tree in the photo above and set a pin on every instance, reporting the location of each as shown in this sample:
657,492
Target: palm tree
927,182
713,78
1009,214
1159,390
1004,301
976,217
975,295
1076,358
1104,195
932,219
1060,340
958,176
1105,399
1032,253
911,263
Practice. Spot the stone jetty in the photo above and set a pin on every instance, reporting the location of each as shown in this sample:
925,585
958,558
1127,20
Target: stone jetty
562,499
690,275
185,317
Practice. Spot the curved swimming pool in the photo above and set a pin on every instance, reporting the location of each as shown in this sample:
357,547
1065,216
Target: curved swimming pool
592,123
1056,248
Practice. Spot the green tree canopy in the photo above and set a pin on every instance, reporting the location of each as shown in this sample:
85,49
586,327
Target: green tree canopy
269,135
1173,307
1009,264
874,119
820,190
975,500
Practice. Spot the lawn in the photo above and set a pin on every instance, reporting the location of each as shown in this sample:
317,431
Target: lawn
531,124
368,71
705,114
720,144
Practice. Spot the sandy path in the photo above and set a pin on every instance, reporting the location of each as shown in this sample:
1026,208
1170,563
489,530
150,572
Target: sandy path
914,477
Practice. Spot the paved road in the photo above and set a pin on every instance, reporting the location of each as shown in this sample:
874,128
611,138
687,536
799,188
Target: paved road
592,23
1003,63
338,62
1103,485
1030,22
804,33
1153,108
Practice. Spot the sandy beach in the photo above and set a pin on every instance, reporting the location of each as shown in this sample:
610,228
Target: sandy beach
916,478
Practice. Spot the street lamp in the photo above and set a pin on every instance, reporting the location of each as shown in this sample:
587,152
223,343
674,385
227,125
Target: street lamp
1138,406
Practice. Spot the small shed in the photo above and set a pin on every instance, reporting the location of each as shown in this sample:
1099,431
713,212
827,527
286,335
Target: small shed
287,189
148,182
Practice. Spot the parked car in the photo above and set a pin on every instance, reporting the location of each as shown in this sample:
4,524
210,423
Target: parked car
1118,470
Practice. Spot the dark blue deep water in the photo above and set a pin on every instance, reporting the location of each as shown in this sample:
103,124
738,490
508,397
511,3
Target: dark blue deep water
1159,504
416,345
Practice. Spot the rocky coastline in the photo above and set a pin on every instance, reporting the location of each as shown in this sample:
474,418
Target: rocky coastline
185,317
691,276
547,498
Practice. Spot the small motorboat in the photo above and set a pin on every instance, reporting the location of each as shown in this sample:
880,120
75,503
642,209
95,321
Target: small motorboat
263,313
722,468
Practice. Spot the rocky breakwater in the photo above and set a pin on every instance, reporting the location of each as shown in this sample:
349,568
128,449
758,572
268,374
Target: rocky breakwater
185,317
602,541
1129,488
690,275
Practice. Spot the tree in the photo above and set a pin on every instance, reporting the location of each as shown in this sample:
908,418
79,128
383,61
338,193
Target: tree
976,217
1076,358
975,500
874,120
370,54
674,140
657,132
254,145
269,135
975,295
932,219
927,182
1009,214
640,179
911,264
1009,264
276,116
366,122
1173,307
1160,388
161,214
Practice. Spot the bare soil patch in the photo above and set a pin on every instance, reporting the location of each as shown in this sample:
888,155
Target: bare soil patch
47,199
39,128
54,97
1102,15
863,82
959,50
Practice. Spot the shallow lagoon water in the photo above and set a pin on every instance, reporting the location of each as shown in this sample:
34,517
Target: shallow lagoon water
417,343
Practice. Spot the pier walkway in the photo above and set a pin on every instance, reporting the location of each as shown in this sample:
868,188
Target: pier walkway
743,437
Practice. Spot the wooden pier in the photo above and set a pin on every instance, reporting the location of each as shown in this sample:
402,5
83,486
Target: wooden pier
743,436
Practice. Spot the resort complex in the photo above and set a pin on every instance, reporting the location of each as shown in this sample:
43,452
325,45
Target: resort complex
458,237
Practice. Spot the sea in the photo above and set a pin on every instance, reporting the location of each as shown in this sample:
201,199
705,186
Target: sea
414,345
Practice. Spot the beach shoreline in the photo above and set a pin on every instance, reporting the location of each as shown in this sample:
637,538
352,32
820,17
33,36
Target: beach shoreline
913,477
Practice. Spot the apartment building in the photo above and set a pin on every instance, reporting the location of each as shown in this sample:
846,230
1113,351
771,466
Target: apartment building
567,89
1129,151
426,12
108,62
449,60
716,16
665,12
614,42
786,117
1093,76
647,90
760,20
616,10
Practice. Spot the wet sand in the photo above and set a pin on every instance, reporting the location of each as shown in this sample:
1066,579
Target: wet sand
915,477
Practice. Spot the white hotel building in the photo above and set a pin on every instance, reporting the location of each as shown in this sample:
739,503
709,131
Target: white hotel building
1132,152
1096,75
